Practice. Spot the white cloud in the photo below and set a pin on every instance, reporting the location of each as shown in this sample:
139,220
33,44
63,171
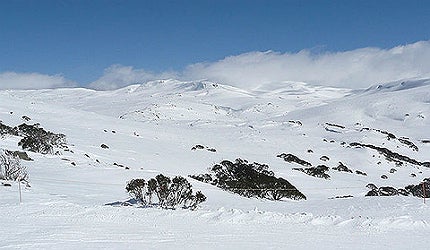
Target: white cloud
358,68
13,80
354,69
117,76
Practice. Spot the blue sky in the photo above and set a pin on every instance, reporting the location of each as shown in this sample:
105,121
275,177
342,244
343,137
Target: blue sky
81,39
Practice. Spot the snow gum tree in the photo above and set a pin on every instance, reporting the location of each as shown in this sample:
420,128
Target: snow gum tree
168,193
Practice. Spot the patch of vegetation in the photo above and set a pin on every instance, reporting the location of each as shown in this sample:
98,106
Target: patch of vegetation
335,125
391,136
165,193
342,168
11,168
390,155
293,158
249,180
299,123
35,138
7,130
21,155
201,147
324,158
39,140
120,165
26,118
408,143
360,172
319,171
420,190
342,197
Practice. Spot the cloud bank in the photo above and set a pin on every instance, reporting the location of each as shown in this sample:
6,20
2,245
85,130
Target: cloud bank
13,80
354,69
117,76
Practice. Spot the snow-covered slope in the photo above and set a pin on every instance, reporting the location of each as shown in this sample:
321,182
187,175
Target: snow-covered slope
151,128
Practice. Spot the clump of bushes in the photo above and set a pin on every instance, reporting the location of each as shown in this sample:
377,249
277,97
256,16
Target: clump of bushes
249,180
164,192
293,158
35,138
419,190
7,130
11,168
342,168
319,171
38,140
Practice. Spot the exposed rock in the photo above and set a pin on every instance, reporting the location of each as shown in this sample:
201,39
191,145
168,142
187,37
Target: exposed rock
384,176
104,146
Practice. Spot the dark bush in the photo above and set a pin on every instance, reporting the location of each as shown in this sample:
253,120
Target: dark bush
319,171
11,168
419,189
38,140
293,158
249,180
342,168
6,130
170,193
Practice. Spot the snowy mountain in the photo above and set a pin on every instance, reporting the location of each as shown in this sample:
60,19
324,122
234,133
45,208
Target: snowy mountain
329,143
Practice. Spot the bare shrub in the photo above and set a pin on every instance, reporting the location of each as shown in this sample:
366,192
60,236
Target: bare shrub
11,168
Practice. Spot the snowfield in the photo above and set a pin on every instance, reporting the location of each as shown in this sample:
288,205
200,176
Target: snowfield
72,201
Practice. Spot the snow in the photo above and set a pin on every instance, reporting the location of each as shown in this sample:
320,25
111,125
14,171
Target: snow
151,128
